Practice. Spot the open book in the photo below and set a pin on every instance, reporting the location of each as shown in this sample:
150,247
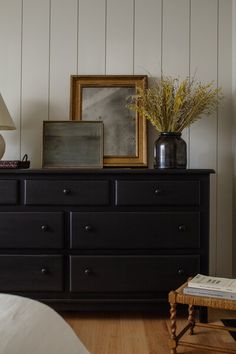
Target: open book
213,283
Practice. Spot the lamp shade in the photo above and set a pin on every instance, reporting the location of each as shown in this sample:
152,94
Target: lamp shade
6,122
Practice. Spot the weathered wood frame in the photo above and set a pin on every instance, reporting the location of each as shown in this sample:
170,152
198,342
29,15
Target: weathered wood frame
65,155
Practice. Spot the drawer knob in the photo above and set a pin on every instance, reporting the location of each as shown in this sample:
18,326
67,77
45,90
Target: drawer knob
88,228
44,228
157,191
182,228
44,271
181,271
87,271
66,191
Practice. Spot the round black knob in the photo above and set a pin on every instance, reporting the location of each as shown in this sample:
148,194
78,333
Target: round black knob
66,191
44,271
87,271
157,191
88,228
44,227
181,271
182,228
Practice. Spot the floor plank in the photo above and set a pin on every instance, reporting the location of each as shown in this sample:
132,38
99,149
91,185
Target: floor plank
122,333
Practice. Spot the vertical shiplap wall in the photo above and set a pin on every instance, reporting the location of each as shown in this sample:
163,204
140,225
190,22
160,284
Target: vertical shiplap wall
224,188
176,44
147,57
62,55
203,137
43,42
92,37
11,70
35,74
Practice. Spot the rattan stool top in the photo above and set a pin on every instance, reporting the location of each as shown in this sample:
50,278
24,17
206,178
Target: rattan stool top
177,296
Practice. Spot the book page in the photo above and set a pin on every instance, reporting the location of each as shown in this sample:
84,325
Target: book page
209,282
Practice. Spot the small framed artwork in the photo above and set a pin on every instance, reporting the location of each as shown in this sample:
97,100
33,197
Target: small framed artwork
72,144
104,98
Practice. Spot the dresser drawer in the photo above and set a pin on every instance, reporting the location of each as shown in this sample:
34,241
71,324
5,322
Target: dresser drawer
157,192
31,273
66,192
130,273
8,192
31,230
134,230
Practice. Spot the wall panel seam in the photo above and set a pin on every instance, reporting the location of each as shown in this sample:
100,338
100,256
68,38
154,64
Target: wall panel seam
162,19
21,74
77,39
133,35
105,39
49,56
217,140
189,69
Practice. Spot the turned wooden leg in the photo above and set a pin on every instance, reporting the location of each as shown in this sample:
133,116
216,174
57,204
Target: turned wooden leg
173,341
191,318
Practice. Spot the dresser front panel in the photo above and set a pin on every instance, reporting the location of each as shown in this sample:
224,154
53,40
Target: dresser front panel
130,273
157,192
31,273
66,192
102,239
135,230
31,230
8,192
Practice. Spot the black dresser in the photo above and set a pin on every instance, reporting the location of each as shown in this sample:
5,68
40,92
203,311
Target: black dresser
109,239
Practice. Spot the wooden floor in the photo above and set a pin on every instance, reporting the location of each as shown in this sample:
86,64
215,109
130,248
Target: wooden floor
140,334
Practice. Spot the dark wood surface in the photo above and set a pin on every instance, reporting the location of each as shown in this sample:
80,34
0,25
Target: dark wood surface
135,230
102,239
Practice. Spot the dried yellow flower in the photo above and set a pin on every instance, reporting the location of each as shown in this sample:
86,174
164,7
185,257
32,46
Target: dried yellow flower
172,105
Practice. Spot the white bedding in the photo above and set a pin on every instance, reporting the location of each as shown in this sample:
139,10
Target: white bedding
30,327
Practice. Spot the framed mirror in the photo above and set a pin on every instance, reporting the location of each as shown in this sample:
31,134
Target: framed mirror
103,98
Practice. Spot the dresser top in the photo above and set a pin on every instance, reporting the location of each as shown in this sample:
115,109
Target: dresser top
109,171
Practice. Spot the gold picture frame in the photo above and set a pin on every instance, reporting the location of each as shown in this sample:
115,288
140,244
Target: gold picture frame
103,98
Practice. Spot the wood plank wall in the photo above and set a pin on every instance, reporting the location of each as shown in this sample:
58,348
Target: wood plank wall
43,42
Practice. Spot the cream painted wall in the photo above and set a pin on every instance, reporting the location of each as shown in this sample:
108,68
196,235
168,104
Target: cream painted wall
43,42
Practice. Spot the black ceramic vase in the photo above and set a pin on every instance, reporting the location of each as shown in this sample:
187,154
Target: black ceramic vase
170,151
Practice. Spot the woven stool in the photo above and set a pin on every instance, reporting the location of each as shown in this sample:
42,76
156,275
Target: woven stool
177,297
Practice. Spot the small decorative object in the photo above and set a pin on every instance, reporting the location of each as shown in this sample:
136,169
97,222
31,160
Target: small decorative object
172,105
6,123
24,163
103,98
68,144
